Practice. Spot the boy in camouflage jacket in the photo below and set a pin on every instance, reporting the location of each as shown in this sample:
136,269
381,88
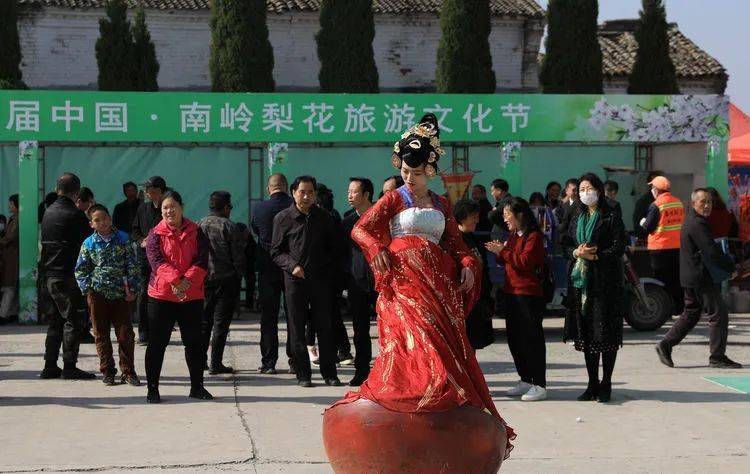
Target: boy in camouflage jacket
108,276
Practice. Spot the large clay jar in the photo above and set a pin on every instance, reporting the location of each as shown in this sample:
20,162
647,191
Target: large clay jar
363,437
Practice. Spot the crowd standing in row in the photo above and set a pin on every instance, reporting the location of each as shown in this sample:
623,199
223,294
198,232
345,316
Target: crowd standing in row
147,255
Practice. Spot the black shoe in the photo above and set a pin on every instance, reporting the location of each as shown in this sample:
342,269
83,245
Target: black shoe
665,354
267,370
605,392
74,373
51,373
222,369
87,338
131,379
109,379
292,367
305,383
592,391
346,358
724,363
200,393
333,382
153,395
358,380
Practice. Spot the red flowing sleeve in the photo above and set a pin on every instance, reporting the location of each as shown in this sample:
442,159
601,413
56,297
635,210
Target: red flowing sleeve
372,231
453,243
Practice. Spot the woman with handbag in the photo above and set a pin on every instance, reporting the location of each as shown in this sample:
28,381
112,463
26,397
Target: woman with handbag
523,255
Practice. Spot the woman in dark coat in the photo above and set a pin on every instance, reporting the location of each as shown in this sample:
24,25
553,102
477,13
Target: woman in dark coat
595,317
479,320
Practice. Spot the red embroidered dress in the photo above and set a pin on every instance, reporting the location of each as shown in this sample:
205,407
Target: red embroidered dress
426,363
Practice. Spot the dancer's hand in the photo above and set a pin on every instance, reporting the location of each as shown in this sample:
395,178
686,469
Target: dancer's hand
382,262
467,279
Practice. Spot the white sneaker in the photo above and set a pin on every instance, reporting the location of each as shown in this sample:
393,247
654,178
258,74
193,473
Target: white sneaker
520,389
535,394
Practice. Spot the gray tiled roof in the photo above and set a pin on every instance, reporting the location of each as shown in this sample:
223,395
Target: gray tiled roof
619,47
519,8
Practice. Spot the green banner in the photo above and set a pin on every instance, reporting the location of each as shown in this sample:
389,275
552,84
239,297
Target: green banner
294,118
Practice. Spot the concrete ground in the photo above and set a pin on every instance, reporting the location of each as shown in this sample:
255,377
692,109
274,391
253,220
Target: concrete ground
660,419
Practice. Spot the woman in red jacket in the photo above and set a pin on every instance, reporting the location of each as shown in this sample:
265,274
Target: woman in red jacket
523,255
177,251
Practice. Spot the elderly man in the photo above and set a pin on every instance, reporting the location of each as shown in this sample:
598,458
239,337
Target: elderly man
703,266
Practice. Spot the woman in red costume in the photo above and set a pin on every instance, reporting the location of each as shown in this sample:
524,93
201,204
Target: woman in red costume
427,280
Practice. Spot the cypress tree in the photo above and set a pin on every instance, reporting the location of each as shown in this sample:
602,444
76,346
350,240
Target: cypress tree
10,52
573,60
144,55
654,71
114,49
464,61
241,54
347,60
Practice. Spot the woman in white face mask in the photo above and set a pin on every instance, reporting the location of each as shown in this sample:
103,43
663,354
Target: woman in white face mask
595,317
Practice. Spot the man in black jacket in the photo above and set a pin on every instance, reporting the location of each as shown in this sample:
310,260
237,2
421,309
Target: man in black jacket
500,191
305,246
125,212
64,228
146,218
361,284
700,256
479,194
270,277
226,267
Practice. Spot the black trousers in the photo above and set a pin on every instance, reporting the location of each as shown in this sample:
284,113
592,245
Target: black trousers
221,302
523,321
666,267
271,289
696,300
362,308
142,306
65,319
310,299
162,317
343,346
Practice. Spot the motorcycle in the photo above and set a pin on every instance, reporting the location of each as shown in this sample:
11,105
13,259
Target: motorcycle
649,304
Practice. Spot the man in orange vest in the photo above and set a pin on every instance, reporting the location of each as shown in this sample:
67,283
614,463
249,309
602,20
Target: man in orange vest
663,223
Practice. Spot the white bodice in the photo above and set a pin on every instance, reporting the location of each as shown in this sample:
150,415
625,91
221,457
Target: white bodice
420,222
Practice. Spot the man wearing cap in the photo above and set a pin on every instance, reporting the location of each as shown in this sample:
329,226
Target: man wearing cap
662,224
146,218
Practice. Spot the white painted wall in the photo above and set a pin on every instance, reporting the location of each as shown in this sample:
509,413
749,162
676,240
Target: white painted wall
58,47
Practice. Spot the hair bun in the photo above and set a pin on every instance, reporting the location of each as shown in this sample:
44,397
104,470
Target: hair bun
430,121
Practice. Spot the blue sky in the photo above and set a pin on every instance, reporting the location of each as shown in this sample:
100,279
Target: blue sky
720,27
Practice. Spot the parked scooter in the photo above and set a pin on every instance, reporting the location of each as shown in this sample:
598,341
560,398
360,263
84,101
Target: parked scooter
650,306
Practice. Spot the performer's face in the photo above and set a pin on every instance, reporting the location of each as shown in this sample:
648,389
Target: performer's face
415,178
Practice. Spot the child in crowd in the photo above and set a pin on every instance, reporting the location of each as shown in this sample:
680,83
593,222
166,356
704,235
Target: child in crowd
108,277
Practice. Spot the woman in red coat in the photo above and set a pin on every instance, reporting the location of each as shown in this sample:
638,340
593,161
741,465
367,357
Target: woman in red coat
523,255
177,251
